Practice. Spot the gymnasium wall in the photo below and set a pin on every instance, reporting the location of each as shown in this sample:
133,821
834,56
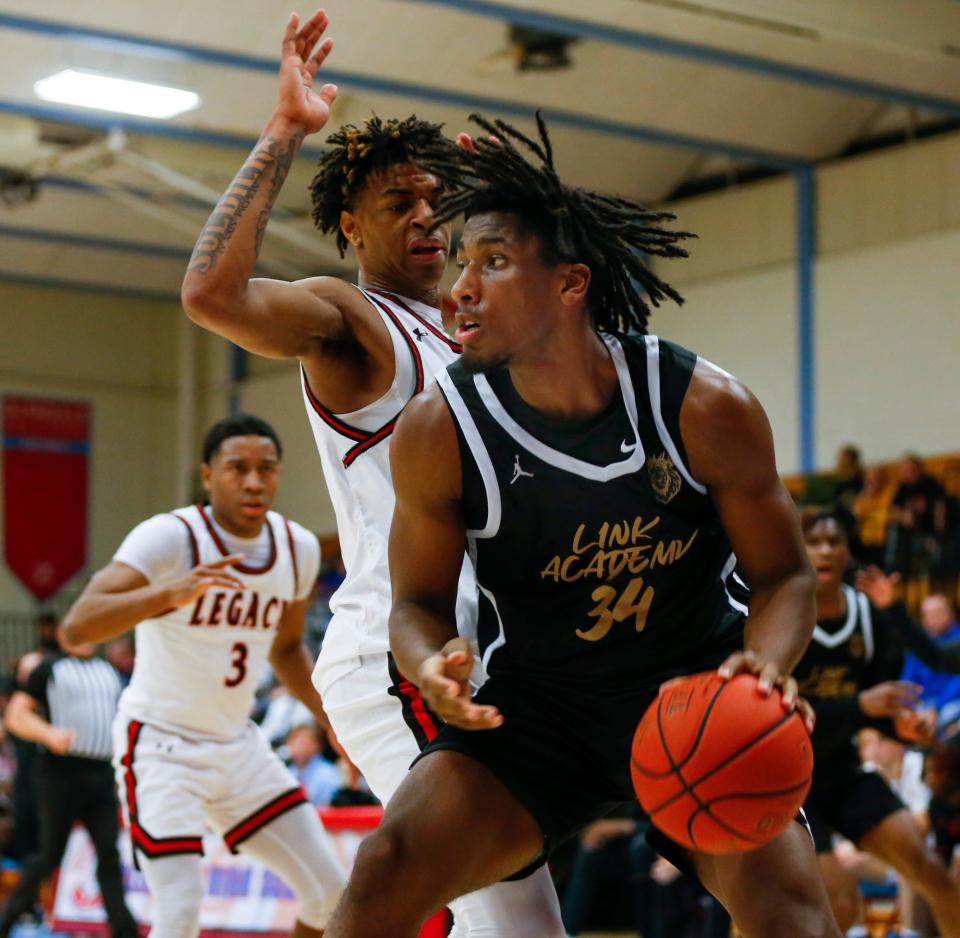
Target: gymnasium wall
887,319
119,355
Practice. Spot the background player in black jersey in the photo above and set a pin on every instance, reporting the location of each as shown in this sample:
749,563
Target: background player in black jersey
576,642
849,674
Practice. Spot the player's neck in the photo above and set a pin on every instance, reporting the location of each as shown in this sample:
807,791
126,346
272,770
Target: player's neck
429,296
831,603
245,531
569,378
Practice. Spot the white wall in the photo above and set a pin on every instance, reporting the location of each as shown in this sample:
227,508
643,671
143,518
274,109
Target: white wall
887,319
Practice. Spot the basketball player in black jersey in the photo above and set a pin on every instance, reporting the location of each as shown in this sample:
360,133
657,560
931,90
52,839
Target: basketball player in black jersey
849,674
602,483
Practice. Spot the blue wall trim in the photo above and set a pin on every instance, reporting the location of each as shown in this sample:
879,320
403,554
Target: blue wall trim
86,286
662,45
806,221
97,243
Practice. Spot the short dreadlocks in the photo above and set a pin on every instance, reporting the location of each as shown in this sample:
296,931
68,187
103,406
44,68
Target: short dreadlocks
355,153
609,234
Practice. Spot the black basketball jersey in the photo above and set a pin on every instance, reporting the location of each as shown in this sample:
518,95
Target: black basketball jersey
844,657
600,560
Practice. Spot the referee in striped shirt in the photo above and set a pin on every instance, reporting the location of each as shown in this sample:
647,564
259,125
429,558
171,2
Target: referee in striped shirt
67,707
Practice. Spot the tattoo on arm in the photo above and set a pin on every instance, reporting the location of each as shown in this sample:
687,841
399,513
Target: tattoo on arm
270,154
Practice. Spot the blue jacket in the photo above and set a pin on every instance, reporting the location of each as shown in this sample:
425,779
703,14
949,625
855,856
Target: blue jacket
939,687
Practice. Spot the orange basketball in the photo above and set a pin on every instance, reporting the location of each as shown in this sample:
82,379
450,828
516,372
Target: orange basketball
717,767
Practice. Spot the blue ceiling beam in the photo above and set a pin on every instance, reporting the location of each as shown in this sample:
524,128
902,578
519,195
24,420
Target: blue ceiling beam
188,52
697,52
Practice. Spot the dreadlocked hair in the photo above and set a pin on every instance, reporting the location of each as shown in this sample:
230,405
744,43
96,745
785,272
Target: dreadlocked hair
354,153
609,234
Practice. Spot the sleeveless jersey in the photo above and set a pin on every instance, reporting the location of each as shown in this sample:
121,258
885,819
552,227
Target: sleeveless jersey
197,667
844,657
600,560
354,452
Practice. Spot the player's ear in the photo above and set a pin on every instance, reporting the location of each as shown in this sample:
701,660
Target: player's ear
205,473
574,283
350,228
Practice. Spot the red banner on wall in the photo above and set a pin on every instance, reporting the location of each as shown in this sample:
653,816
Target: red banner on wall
46,445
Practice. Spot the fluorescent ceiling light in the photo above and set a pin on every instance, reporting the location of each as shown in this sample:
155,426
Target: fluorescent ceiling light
106,93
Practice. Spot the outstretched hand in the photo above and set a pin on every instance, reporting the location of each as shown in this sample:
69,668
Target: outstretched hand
444,682
880,589
769,676
302,55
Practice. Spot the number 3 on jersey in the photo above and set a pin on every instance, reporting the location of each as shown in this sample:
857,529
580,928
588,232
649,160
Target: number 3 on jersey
238,665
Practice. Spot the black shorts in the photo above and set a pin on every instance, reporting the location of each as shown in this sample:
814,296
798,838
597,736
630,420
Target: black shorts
564,753
851,803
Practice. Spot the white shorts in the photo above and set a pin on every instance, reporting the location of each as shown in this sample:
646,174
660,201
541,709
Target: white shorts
170,786
380,720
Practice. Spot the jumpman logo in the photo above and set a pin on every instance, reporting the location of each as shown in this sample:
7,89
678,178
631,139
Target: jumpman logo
517,471
420,335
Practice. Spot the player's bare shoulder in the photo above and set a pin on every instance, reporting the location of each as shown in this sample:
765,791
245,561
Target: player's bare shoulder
424,452
724,428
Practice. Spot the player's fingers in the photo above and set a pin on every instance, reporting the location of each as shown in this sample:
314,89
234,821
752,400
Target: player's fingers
788,687
319,56
224,561
466,142
738,663
289,46
474,717
806,713
307,36
313,29
769,675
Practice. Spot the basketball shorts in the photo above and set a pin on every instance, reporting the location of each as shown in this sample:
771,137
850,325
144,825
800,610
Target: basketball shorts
850,801
379,718
564,753
171,785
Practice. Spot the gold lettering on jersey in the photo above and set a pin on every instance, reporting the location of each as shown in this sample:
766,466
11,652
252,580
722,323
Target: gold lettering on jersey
828,682
615,547
631,603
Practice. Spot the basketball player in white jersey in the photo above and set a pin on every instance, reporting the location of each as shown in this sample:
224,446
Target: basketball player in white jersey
213,592
364,352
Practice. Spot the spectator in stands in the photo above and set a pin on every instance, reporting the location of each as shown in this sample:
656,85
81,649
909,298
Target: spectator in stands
938,618
320,777
871,509
848,476
920,509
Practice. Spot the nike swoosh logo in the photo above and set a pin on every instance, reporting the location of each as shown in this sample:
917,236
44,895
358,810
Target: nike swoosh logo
626,447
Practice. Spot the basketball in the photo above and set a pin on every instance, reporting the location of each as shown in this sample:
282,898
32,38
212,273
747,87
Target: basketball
718,767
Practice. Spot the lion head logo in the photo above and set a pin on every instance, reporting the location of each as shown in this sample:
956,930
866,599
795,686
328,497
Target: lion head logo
664,477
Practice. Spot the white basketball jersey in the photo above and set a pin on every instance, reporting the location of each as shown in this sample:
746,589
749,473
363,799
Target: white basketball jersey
197,667
355,454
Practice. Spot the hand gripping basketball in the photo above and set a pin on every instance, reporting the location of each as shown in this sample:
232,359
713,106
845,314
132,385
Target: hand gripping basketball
718,766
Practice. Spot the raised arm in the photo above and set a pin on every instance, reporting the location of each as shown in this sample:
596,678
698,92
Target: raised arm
268,317
427,543
730,448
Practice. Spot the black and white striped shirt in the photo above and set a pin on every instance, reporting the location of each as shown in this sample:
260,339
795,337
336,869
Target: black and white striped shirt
79,694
